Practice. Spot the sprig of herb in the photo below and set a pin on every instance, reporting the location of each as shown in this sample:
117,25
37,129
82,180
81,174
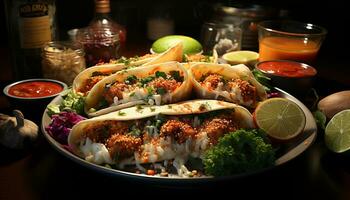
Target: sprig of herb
262,79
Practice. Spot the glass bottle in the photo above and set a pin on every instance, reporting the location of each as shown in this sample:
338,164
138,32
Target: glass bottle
31,24
103,39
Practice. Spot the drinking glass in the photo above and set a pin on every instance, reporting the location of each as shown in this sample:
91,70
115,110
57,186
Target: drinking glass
221,37
289,40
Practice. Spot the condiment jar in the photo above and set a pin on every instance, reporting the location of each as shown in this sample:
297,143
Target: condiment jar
62,61
100,44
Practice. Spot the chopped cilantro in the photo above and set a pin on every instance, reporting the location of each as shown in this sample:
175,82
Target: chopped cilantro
132,79
124,60
103,104
132,94
176,75
160,74
146,80
161,91
121,113
139,108
150,90
134,131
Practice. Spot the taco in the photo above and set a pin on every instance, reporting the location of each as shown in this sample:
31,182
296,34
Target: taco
90,76
234,84
150,134
155,85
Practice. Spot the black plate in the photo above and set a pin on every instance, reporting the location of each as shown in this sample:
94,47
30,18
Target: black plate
291,151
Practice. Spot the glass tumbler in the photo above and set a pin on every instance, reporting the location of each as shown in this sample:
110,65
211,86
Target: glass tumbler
289,40
221,37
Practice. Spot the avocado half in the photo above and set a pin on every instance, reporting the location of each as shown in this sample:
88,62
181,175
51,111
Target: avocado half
190,45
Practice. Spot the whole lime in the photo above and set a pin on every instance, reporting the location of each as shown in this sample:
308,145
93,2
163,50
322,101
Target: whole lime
190,45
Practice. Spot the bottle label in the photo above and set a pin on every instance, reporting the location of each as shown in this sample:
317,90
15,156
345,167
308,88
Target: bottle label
34,25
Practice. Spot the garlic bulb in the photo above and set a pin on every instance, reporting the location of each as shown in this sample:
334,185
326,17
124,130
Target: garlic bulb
17,132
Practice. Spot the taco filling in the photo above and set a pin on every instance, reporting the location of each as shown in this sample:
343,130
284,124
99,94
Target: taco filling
199,58
149,89
95,77
241,91
156,138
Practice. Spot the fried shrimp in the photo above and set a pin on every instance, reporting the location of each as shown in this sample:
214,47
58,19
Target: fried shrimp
167,84
248,91
123,146
115,90
180,131
217,126
212,81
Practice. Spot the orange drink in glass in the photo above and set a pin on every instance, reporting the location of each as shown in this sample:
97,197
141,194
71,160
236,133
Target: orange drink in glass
289,40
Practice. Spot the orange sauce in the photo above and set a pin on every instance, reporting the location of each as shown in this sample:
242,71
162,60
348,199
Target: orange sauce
280,48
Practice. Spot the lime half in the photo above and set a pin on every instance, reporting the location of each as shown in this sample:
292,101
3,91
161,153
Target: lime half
280,118
190,45
241,57
337,132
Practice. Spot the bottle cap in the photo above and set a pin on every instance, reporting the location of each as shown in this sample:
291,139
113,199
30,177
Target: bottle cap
102,6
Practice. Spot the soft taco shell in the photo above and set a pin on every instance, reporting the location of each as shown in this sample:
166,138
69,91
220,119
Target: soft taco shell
181,93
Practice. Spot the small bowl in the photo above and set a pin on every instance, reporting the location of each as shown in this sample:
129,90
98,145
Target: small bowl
33,106
293,77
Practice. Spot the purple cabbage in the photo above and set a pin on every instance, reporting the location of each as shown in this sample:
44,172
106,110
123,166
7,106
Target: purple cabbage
61,124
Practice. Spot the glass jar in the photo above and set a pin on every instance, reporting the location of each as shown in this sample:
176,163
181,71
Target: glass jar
100,44
62,61
104,38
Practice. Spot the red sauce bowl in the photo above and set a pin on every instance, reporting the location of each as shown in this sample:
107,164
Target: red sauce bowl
34,89
31,96
291,76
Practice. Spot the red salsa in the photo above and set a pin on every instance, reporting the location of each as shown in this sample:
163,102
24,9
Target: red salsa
35,89
286,68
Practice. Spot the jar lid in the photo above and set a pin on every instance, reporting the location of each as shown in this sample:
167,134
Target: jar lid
62,46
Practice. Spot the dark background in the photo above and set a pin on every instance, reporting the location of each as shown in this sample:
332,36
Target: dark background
133,14
189,15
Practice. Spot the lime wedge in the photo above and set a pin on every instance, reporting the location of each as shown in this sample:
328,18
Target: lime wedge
190,45
337,132
280,118
241,57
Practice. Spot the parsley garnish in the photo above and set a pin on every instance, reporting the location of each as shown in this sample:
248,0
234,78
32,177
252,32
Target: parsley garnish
132,79
161,91
160,74
176,75
146,80
139,108
121,113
